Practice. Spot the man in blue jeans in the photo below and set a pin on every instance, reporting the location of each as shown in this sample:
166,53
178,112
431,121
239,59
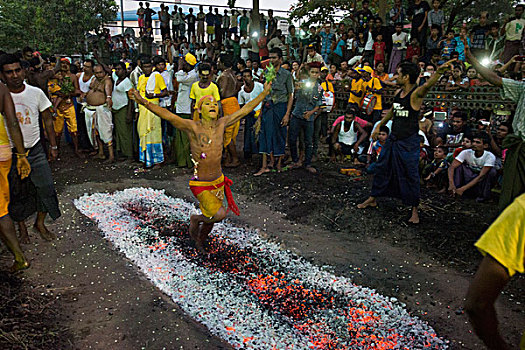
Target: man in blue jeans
309,98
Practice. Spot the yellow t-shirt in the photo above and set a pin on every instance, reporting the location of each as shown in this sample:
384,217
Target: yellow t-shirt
159,86
197,92
5,146
375,84
327,86
356,87
505,238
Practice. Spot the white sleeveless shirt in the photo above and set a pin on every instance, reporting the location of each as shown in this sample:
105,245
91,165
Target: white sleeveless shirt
347,137
84,86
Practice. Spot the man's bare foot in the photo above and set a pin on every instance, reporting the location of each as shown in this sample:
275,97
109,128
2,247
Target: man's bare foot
44,232
194,229
296,165
110,160
262,171
370,202
414,219
19,266
233,164
24,235
311,169
79,155
99,156
93,153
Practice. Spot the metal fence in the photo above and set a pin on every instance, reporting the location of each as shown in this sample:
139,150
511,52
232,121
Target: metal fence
473,98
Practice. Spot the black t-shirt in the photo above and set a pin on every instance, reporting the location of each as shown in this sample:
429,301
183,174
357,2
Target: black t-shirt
191,19
272,25
406,119
148,13
449,136
418,13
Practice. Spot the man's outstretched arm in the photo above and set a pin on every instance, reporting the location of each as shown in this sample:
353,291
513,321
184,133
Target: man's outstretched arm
422,91
175,120
247,108
486,73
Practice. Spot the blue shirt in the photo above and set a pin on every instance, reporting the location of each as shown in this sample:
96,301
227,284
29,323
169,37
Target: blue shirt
326,42
307,98
460,47
282,87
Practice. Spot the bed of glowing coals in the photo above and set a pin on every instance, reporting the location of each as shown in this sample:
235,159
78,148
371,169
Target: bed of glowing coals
247,290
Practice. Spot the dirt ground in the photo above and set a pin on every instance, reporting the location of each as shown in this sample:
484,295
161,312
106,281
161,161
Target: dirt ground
82,294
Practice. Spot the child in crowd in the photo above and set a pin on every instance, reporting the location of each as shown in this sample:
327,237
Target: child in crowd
460,47
472,76
334,73
447,45
379,48
375,149
457,81
466,143
413,50
423,153
399,41
435,174
53,87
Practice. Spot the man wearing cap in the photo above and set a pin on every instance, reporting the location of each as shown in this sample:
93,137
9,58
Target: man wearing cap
204,87
313,56
65,112
229,89
373,85
185,76
357,88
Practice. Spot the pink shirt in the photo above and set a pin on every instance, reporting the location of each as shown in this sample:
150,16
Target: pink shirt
359,121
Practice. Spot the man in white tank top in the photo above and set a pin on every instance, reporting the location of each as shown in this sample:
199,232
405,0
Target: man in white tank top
85,78
345,135
84,81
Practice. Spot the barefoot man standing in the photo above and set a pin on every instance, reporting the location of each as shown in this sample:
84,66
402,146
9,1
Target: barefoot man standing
99,120
206,142
229,89
397,173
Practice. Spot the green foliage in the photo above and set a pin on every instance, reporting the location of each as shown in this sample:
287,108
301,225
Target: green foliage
52,26
66,86
456,11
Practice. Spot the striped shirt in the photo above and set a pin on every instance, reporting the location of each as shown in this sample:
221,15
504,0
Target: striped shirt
515,90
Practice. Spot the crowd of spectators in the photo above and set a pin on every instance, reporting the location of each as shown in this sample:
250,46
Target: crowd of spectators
462,150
